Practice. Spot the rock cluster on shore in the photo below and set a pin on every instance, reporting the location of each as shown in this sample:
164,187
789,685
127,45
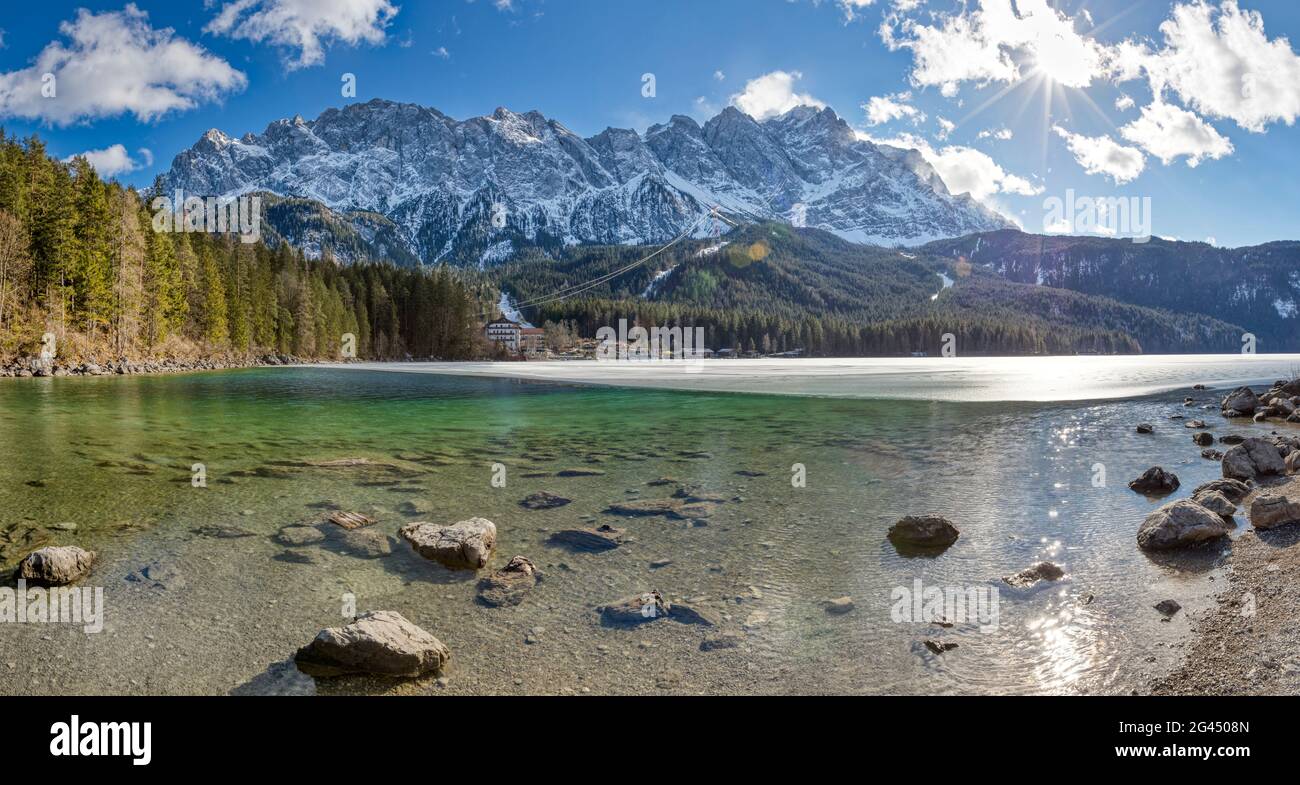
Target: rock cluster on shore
1208,515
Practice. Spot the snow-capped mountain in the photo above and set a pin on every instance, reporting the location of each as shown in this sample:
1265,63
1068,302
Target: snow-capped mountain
477,190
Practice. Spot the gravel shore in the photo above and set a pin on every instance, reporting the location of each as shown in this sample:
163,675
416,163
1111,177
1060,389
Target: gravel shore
1250,643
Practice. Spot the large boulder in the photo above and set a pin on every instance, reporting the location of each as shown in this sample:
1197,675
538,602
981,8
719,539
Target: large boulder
1241,400
509,585
1234,490
1216,502
379,642
1179,524
1155,482
1272,509
924,533
466,545
1254,457
56,566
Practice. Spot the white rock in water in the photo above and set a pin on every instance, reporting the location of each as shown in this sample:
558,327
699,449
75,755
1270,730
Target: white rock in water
56,565
466,545
379,642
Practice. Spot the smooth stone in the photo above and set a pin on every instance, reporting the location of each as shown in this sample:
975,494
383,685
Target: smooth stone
1269,510
56,565
1252,458
923,533
1234,490
1216,502
466,545
1155,481
382,643
839,605
1168,607
1179,524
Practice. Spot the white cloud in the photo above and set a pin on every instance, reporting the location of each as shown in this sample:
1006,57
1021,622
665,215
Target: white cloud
305,26
1124,103
113,160
2,38
1002,133
964,169
1221,63
1103,155
441,52
993,42
946,127
772,94
114,63
885,108
719,75
1167,132
852,6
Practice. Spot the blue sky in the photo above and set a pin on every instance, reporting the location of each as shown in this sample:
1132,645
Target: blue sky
1016,101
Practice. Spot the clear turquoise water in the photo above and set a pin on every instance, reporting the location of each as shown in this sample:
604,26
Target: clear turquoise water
113,457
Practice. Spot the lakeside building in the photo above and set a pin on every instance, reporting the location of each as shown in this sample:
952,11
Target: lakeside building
517,338
532,340
505,331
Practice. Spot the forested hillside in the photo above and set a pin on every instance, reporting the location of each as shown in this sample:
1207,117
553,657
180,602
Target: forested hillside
1256,288
775,288
80,258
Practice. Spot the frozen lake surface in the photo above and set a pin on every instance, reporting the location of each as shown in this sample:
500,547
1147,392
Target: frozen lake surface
986,379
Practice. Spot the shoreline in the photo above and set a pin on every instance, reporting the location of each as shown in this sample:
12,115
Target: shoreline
1014,379
1233,651
35,368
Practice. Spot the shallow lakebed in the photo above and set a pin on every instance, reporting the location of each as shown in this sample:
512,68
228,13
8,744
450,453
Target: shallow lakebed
107,464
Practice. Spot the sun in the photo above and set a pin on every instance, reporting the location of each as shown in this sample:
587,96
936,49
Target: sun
1064,60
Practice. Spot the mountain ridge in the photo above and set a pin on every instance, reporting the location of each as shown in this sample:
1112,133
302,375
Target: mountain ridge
476,190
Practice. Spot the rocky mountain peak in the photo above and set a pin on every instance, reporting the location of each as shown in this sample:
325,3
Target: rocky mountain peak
438,179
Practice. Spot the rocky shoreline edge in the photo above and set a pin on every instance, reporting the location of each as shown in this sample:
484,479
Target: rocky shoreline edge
27,368
1249,642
